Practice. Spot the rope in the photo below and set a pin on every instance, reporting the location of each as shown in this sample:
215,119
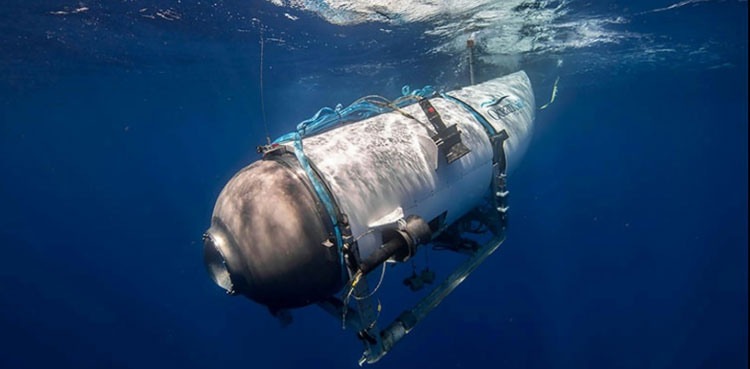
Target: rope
362,108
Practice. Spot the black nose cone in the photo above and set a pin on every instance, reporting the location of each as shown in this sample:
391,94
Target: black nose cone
268,238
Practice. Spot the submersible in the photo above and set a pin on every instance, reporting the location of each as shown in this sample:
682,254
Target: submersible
351,190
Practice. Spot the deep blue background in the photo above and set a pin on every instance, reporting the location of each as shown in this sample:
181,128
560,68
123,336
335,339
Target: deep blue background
628,243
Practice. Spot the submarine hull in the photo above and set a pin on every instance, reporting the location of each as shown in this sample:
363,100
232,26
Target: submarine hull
270,235
381,164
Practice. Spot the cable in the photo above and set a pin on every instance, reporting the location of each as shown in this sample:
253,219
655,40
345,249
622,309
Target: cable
382,275
375,321
363,234
350,293
262,100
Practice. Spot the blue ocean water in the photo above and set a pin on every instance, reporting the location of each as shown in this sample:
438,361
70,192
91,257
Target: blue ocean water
122,121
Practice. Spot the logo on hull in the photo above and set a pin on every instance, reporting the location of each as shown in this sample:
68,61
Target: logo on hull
500,107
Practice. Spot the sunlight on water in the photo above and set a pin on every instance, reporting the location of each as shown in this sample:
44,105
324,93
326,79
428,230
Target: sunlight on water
514,31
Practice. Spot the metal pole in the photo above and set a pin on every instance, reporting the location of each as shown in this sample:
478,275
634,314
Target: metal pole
470,46
406,322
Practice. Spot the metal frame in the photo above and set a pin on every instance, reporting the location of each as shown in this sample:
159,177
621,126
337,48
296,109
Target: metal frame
379,342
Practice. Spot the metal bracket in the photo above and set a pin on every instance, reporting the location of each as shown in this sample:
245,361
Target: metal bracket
499,182
447,139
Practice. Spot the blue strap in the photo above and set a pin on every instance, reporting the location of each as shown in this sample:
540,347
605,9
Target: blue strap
487,126
323,195
322,121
